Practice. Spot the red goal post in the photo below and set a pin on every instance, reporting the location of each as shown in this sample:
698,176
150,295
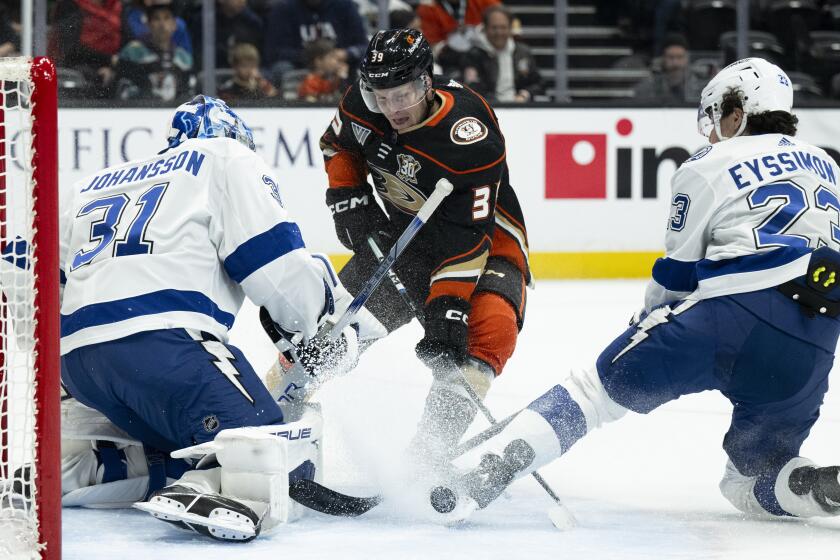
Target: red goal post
30,455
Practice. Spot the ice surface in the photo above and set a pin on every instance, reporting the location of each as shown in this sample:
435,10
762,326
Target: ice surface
642,488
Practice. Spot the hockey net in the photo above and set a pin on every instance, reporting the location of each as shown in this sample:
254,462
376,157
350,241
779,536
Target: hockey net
30,480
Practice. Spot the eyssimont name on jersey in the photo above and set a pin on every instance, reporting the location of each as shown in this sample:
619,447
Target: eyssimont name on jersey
774,165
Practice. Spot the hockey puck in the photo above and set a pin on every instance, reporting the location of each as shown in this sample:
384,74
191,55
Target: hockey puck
443,499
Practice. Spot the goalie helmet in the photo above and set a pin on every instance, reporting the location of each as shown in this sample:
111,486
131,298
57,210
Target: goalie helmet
208,117
394,58
763,87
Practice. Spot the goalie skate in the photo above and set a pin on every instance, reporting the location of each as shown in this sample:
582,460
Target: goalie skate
207,514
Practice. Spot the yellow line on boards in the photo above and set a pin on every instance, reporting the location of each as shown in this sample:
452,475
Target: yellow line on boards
576,265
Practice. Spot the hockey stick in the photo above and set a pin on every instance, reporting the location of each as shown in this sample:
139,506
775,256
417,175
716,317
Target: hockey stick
442,189
318,497
560,515
481,437
290,389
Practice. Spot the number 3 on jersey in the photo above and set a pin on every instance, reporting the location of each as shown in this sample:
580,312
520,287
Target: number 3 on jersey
481,203
108,213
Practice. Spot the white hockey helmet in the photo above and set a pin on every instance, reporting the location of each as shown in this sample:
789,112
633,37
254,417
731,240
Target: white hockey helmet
763,86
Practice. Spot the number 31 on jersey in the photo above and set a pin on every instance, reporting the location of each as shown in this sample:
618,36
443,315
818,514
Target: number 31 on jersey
106,214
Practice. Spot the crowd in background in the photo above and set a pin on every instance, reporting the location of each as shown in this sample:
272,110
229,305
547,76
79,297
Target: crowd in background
308,50
685,42
305,50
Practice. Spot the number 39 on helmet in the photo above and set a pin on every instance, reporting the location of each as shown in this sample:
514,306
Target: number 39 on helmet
393,58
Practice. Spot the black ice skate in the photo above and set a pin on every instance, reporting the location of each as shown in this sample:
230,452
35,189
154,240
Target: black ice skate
213,515
822,483
479,487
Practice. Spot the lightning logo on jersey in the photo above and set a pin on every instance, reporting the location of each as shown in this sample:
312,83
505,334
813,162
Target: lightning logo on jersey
658,316
223,362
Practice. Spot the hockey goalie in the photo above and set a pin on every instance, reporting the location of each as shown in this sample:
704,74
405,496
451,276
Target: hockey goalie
158,255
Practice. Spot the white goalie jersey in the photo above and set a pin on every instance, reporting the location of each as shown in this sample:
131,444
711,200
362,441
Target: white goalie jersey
177,241
745,215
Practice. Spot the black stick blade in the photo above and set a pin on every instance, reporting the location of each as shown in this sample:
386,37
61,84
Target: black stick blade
325,500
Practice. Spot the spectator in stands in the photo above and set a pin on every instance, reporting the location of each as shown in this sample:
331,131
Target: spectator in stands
135,26
666,14
155,68
499,67
236,23
404,19
86,35
369,10
9,32
293,23
668,83
247,81
327,78
441,18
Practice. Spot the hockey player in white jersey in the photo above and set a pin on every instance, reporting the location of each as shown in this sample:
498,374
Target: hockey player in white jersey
157,256
744,302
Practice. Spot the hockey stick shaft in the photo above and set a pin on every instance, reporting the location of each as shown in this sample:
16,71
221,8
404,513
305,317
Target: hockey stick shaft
395,280
442,189
495,425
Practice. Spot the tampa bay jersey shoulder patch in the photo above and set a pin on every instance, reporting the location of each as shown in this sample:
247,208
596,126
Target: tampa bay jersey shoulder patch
700,153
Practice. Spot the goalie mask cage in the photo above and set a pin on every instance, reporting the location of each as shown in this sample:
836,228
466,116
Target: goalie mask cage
30,457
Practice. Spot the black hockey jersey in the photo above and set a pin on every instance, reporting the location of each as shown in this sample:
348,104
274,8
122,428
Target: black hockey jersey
460,141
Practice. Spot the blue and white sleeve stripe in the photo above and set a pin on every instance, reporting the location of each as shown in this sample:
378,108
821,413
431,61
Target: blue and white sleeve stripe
674,275
262,249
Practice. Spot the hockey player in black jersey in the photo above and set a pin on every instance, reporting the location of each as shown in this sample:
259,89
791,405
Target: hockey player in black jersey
467,270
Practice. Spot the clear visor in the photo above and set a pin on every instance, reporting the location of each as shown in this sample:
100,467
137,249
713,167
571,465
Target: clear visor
395,99
705,121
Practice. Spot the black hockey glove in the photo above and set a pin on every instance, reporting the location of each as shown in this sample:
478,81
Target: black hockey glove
356,214
445,344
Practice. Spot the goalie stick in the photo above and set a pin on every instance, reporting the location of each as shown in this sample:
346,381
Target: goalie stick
560,515
296,385
318,497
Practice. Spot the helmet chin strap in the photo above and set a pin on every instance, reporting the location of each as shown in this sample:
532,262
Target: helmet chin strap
738,132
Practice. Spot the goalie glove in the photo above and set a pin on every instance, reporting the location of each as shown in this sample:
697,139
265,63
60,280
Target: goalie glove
303,365
320,357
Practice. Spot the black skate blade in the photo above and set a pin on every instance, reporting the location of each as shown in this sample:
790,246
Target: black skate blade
318,497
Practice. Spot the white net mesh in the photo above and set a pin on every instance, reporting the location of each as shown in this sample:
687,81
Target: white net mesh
18,516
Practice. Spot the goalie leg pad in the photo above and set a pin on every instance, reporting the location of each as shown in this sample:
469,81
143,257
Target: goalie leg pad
259,463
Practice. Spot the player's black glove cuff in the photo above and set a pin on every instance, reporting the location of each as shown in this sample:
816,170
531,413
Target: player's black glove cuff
445,344
356,214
